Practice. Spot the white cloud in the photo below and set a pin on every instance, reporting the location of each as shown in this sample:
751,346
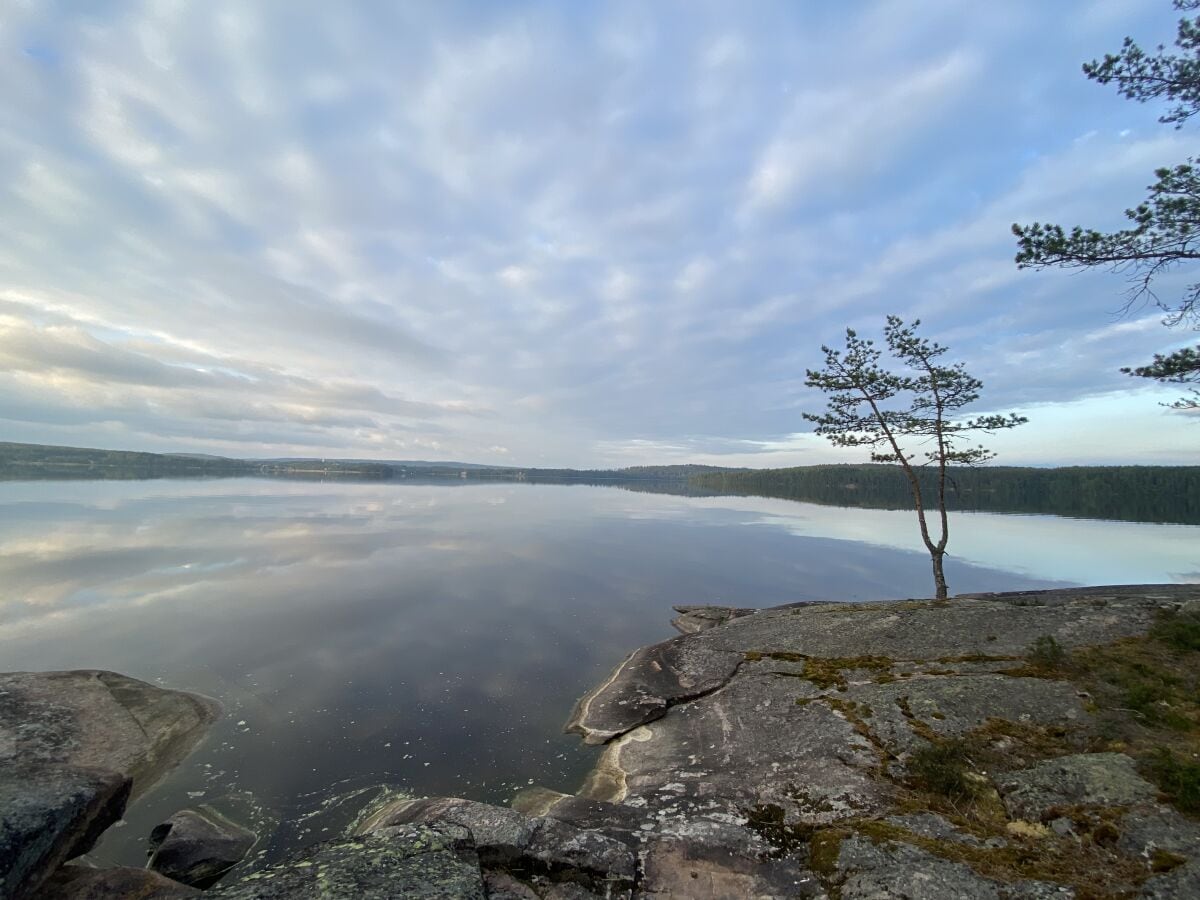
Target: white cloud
513,233
838,134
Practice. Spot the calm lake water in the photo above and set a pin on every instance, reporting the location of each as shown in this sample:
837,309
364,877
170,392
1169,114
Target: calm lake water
434,638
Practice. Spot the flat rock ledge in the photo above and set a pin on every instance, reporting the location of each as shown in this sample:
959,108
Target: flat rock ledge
883,750
992,746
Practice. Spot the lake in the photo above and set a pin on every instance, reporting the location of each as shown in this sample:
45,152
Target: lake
434,637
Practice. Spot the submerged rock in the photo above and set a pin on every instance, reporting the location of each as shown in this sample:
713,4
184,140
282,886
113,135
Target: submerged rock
74,747
198,846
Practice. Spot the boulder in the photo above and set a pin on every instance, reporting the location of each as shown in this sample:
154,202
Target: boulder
198,846
747,745
99,720
74,748
50,815
1143,830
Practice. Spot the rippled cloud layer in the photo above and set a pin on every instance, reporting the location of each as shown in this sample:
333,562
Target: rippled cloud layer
555,234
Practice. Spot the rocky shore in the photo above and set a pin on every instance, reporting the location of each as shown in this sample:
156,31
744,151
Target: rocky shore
1025,745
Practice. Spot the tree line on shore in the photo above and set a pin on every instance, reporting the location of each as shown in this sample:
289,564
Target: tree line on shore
1131,493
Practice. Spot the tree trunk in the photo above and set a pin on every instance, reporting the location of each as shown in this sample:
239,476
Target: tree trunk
939,577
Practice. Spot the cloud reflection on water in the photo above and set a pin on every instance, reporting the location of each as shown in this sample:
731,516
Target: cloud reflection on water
435,637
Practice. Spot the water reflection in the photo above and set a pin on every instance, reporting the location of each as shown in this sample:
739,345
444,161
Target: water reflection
435,637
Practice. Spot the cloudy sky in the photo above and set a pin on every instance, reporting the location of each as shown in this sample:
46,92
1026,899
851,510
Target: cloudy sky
559,233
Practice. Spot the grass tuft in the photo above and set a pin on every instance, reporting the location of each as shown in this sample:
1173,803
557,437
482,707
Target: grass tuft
1178,778
1047,653
945,769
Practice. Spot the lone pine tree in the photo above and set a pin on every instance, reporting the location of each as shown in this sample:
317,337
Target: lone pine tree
893,411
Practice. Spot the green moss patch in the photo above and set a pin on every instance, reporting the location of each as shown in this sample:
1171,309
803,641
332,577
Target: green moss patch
825,671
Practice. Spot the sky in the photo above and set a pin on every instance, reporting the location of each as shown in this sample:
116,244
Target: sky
561,234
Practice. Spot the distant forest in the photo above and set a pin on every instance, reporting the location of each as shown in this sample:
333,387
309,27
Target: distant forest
1132,493
43,461
40,461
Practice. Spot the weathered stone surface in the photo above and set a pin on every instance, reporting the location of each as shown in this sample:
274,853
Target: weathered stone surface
100,720
503,885
537,800
198,846
558,845
500,834
120,883
1145,829
50,815
409,861
692,619
1102,779
74,746
749,729
991,625
647,684
545,848
888,869
931,825
749,744
625,823
570,891
952,706
682,870
970,630
1182,883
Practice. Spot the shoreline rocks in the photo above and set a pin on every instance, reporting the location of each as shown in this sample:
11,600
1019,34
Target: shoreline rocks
912,749
197,846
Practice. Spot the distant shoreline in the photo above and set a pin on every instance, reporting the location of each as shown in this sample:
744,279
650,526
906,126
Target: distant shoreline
1159,494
